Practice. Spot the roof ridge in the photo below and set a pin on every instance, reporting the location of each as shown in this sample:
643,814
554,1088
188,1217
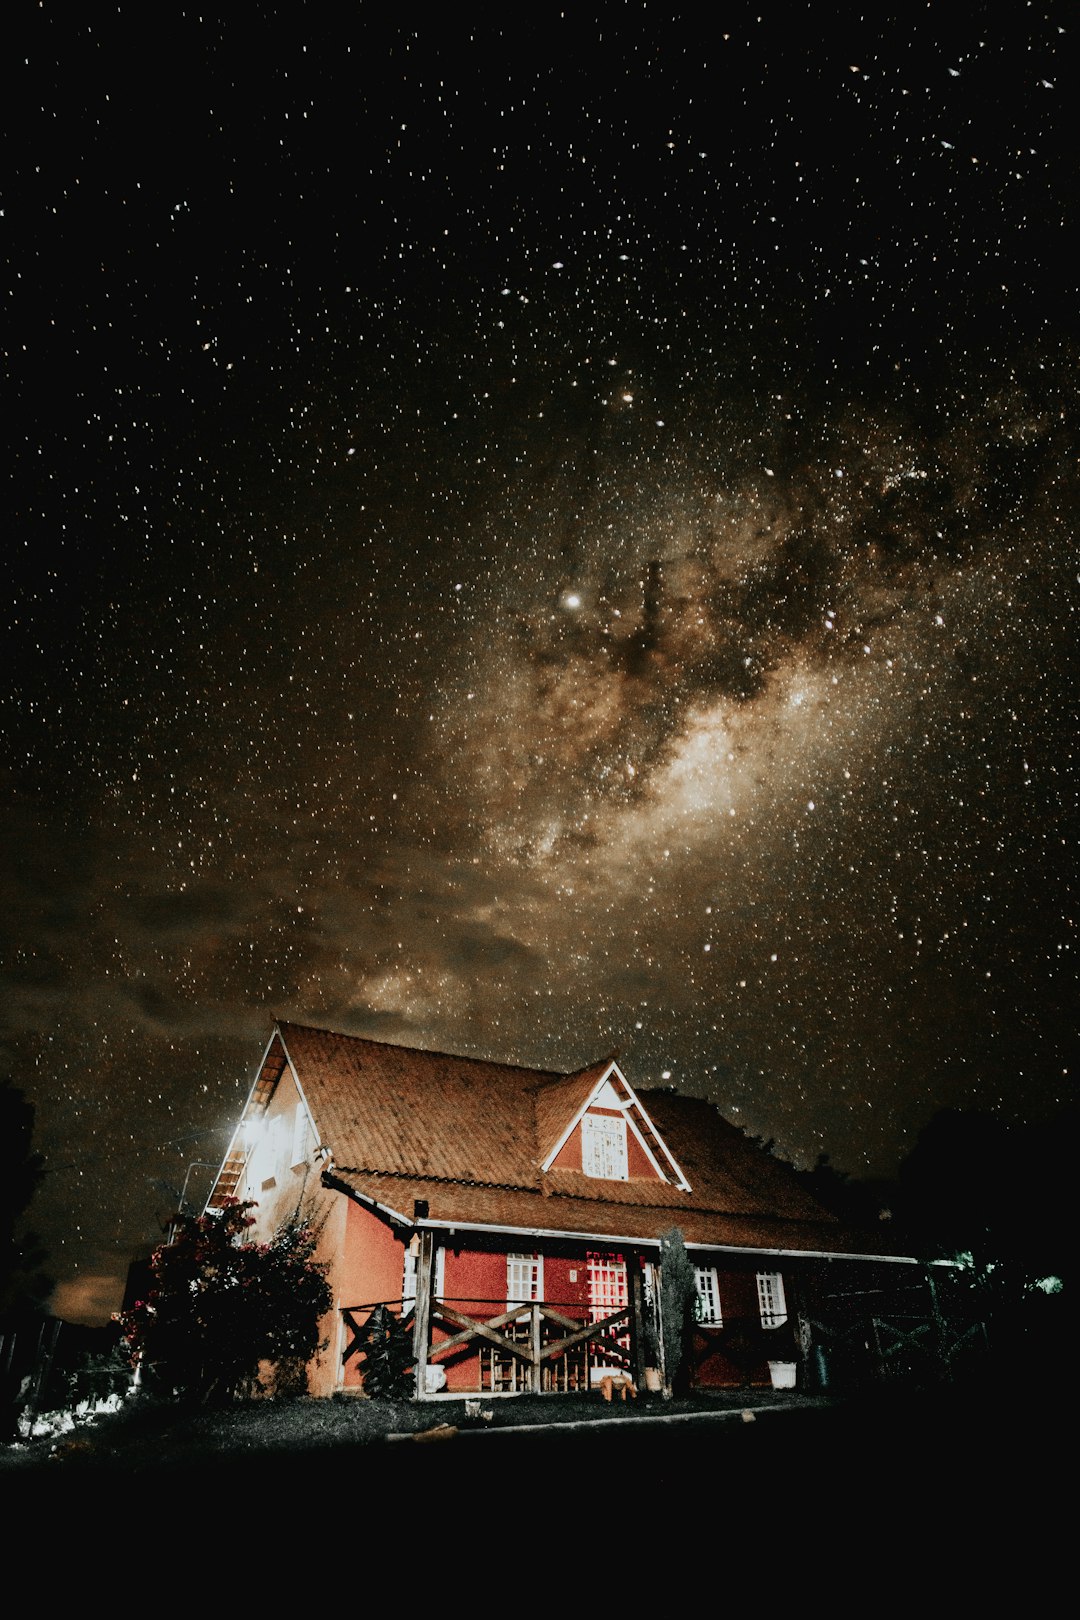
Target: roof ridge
554,1078
549,1075
446,1181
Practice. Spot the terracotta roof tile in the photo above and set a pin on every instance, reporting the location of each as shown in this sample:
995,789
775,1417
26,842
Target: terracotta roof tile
468,1136
520,1210
399,1110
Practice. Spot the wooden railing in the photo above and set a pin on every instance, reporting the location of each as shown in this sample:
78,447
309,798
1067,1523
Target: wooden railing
540,1336
533,1346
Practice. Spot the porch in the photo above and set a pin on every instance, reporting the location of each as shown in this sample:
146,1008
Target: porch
566,1318
538,1347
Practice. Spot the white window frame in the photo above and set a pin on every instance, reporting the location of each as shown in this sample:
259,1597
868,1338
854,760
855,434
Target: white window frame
409,1270
608,1283
609,1291
603,1147
707,1283
408,1279
772,1302
524,1278
299,1136
269,1152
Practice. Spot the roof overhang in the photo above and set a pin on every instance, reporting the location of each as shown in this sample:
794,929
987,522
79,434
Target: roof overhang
429,1223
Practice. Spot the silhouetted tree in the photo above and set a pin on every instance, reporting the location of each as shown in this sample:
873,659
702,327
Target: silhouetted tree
998,1196
24,1287
858,1201
678,1310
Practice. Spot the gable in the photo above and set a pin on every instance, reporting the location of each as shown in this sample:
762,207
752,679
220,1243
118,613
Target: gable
611,1137
275,1141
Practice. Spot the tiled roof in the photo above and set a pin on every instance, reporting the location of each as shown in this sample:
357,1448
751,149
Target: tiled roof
468,1137
552,1208
397,1110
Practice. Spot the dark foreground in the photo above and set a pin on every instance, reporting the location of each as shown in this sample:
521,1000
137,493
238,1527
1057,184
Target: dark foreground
969,1481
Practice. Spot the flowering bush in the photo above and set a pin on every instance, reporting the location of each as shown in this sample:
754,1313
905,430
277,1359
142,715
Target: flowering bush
221,1307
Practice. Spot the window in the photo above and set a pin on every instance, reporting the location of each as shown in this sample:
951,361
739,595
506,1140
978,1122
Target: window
771,1301
408,1281
603,1147
607,1285
269,1150
708,1297
299,1136
524,1278
608,1293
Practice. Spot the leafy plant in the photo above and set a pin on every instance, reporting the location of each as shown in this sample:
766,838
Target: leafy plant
224,1309
387,1355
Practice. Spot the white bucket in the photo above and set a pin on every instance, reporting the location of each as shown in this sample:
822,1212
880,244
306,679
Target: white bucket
782,1374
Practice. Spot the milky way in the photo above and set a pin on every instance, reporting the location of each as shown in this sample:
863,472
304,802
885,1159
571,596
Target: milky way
534,540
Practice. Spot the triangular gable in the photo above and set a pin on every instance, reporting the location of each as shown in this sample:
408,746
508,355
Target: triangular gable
294,1071
263,1087
611,1093
275,1060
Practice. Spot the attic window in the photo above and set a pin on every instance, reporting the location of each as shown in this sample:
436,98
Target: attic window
603,1147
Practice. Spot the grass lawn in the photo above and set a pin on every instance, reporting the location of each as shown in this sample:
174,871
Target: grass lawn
157,1434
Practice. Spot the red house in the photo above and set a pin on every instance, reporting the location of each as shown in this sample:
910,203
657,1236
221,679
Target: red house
514,1218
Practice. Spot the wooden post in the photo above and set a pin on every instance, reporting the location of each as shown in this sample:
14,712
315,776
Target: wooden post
425,1272
534,1348
658,1308
944,1360
637,1322
804,1333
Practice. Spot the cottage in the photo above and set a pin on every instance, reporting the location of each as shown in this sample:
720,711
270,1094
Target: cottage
514,1220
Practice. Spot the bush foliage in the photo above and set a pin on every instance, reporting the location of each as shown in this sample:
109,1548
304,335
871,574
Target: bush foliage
224,1308
388,1357
678,1302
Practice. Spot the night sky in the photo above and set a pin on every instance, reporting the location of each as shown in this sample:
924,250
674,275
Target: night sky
539,534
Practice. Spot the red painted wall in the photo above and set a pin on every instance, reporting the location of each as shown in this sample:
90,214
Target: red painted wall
371,1269
475,1284
738,1303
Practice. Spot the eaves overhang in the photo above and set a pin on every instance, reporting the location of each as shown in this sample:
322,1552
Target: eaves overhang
557,1234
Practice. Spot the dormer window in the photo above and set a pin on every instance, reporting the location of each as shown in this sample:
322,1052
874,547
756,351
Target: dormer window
603,1147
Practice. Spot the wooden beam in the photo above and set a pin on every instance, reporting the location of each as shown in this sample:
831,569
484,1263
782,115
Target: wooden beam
553,1315
425,1275
658,1319
479,1330
534,1345
637,1321
593,1330
355,1342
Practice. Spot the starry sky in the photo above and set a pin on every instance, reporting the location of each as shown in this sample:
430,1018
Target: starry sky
544,532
